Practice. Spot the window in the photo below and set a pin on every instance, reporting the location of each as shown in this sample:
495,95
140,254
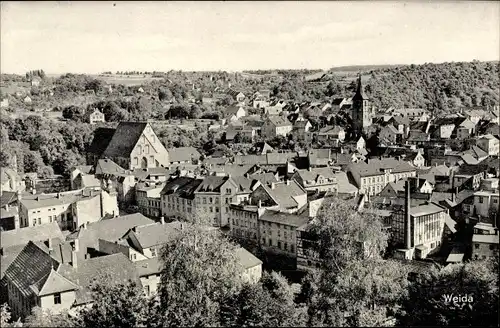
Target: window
476,246
39,220
292,248
204,200
279,244
50,218
153,252
216,210
210,200
146,290
480,200
147,149
57,298
228,190
211,209
492,247
495,200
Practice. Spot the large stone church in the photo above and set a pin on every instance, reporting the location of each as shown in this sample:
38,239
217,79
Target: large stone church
132,145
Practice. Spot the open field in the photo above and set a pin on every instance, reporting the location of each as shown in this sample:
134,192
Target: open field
127,80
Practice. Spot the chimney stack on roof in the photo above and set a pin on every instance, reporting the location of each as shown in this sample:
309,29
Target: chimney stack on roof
273,185
162,220
49,244
76,245
259,203
58,195
407,223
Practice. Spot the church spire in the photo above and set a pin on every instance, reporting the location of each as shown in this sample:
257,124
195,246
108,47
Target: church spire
360,93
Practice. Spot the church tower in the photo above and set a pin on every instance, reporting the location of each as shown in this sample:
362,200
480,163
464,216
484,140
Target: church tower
361,109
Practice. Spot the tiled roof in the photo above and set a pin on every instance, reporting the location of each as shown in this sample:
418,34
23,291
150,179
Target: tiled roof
117,266
313,173
418,136
89,180
45,200
330,130
148,267
85,169
280,158
264,178
284,193
277,120
343,184
109,230
102,137
284,218
156,233
124,139
183,154
244,184
22,236
211,184
246,259
376,166
53,283
250,159
232,169
7,198
30,266
107,166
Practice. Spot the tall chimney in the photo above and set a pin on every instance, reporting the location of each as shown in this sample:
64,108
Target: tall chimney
74,260
407,223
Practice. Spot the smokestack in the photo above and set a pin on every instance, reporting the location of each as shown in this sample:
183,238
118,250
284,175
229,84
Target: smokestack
407,223
74,260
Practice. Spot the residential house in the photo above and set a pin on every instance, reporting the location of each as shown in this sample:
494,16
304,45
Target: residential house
342,103
316,179
277,231
397,188
373,175
69,209
236,95
96,116
52,285
27,100
469,176
419,138
261,148
412,113
246,133
288,196
390,134
9,211
416,159
331,133
177,197
234,113
148,198
183,155
276,126
252,266
466,129
485,246
302,127
22,236
489,144
132,145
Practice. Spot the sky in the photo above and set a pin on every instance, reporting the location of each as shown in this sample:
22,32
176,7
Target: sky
92,37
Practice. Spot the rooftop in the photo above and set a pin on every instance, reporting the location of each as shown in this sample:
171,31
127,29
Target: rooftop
22,236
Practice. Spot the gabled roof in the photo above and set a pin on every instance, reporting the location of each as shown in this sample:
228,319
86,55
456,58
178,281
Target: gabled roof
331,130
30,266
108,167
111,229
102,137
246,259
280,158
283,194
22,236
277,121
117,266
182,154
68,197
376,166
250,159
211,184
7,198
313,173
182,186
149,267
53,283
124,139
154,234
343,184
232,169
264,178
284,218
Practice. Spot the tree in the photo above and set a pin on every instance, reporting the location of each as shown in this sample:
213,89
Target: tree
429,301
200,272
117,305
46,318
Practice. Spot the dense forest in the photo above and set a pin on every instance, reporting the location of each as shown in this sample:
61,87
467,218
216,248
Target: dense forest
438,87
